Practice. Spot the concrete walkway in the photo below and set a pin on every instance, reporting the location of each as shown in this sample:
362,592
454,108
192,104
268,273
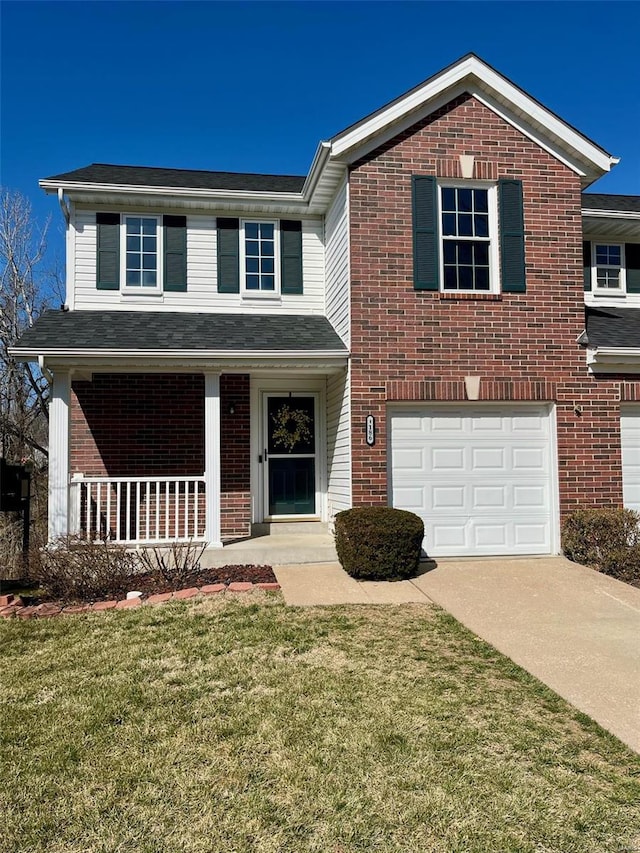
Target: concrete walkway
576,630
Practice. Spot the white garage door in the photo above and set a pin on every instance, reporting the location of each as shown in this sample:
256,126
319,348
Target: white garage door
630,436
480,477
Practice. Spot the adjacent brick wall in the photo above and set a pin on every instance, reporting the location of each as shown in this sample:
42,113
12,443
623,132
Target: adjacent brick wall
147,425
420,345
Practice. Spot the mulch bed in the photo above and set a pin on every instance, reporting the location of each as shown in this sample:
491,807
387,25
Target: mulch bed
149,583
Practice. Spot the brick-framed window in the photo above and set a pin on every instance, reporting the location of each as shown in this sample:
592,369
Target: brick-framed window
468,236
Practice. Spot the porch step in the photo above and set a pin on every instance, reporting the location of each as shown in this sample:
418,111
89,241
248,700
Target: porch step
284,528
274,550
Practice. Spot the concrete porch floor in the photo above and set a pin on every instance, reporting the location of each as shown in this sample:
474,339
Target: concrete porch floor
274,549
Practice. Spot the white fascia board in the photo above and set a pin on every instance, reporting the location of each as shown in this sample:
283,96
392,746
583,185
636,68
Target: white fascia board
70,187
322,154
163,355
472,75
613,359
610,214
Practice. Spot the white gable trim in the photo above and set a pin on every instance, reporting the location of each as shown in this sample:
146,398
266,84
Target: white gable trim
499,94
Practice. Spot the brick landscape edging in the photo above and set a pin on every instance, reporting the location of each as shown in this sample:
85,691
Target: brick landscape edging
11,606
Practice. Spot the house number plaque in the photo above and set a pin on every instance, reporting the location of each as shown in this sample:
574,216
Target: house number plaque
370,430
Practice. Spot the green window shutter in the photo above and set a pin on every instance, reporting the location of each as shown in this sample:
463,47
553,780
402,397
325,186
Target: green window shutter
632,260
586,264
511,215
175,252
108,251
425,232
291,256
228,255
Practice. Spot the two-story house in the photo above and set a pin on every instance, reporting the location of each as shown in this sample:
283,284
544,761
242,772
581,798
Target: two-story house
435,317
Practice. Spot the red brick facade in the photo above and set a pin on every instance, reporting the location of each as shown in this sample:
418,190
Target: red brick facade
418,345
152,425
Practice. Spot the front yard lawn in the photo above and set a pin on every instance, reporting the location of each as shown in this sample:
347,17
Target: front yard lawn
242,725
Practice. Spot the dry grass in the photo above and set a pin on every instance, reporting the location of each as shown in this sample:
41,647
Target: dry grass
241,725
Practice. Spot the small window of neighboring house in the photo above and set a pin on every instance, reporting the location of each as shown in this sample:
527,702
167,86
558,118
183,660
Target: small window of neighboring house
139,254
608,267
468,237
259,258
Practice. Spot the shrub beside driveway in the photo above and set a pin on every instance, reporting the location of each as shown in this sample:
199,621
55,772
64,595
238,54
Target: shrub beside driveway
247,726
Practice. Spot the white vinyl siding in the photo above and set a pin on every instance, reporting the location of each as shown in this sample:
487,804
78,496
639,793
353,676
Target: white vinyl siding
481,477
338,443
337,252
202,291
630,440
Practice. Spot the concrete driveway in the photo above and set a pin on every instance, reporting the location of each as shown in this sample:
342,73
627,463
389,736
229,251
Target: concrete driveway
576,630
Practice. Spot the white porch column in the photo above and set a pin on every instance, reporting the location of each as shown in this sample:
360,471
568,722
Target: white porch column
59,454
212,458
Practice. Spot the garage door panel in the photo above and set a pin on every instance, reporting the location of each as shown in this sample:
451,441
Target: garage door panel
448,497
488,458
444,459
530,459
411,459
484,483
489,497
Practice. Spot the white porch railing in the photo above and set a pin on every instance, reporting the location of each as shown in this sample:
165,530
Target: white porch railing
138,510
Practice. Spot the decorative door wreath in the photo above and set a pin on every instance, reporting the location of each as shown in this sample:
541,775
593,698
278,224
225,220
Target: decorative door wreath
291,426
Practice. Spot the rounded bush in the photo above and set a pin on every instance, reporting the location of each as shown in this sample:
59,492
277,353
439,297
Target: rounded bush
605,539
379,542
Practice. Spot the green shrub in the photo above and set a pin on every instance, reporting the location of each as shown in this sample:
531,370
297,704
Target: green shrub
378,542
605,539
73,569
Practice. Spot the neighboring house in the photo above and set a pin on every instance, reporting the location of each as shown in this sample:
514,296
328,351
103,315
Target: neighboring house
404,325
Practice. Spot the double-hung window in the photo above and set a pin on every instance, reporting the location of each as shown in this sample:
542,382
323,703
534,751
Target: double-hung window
608,267
142,253
258,248
468,238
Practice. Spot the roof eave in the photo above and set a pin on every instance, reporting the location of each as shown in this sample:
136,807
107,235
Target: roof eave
613,359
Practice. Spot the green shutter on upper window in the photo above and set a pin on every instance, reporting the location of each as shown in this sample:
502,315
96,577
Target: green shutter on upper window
425,232
108,251
228,255
586,264
175,253
291,256
632,260
511,212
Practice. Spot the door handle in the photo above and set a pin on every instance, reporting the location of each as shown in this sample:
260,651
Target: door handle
266,454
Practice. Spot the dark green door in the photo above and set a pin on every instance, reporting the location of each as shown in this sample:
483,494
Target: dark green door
290,457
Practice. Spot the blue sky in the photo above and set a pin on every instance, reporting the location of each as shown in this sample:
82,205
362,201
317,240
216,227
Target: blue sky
255,86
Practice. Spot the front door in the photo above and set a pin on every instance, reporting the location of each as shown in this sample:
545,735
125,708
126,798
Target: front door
289,433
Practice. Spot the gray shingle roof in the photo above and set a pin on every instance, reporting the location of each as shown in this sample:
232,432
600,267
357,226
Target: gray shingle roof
613,327
147,176
148,330
600,201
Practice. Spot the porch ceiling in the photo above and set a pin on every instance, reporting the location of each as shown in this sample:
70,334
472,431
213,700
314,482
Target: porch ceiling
108,336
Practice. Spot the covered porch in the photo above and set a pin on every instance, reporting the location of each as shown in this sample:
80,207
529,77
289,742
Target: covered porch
151,445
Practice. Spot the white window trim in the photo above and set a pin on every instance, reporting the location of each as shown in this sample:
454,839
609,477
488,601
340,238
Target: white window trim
494,235
608,291
139,290
260,294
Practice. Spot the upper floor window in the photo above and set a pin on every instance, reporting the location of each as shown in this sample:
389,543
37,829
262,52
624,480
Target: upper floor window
468,236
259,250
608,264
258,258
141,256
